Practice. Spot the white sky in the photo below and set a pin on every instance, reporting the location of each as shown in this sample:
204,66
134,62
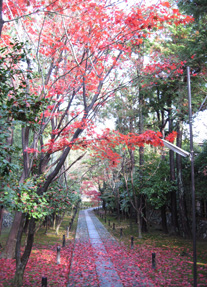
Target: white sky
200,127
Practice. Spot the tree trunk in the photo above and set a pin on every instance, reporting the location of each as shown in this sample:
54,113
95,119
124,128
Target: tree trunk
54,216
130,218
164,219
21,262
183,219
139,226
144,214
141,162
60,220
9,251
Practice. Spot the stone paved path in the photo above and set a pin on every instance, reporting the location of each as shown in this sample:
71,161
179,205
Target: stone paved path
93,240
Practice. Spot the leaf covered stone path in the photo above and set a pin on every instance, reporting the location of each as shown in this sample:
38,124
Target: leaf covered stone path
99,260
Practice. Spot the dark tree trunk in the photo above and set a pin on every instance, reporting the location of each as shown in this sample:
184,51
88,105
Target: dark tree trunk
130,219
183,219
118,205
164,219
142,208
144,214
21,262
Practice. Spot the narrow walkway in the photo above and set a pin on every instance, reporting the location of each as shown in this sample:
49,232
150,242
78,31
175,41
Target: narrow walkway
92,265
107,275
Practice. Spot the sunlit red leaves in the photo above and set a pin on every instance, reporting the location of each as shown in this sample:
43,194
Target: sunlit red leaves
167,69
171,137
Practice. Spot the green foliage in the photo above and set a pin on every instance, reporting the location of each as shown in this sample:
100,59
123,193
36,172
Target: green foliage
24,197
61,198
197,8
124,201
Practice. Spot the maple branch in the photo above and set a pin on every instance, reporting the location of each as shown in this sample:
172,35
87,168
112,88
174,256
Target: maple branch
69,71
101,84
70,43
62,158
37,53
84,94
75,161
65,113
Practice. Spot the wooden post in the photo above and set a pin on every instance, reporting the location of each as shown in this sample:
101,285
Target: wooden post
44,281
132,242
153,261
58,254
67,232
63,240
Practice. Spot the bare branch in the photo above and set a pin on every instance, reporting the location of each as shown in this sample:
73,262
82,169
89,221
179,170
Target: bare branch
75,161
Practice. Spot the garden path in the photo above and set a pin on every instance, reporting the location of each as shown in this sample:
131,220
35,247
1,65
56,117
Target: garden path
92,264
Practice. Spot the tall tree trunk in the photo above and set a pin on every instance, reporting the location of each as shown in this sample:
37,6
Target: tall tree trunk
138,213
54,216
142,207
130,218
164,219
183,219
60,220
144,214
118,205
21,262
